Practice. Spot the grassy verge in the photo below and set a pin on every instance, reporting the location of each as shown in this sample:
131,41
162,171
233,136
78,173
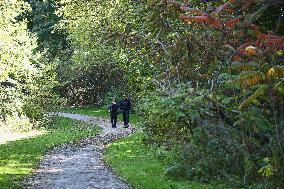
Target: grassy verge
140,166
101,112
19,157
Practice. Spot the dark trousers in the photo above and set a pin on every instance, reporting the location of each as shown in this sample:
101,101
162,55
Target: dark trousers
125,115
113,119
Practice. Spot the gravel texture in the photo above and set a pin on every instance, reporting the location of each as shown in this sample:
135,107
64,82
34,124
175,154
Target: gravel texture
79,165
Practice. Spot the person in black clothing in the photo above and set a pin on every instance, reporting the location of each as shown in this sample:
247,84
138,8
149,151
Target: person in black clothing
113,109
125,106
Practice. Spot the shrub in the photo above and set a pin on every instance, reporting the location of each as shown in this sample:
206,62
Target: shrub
213,153
15,123
204,146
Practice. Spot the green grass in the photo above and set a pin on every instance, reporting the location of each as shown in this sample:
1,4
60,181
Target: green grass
19,157
140,166
100,112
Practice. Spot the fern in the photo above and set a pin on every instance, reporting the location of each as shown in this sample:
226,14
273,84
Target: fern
275,72
249,79
260,91
279,87
244,67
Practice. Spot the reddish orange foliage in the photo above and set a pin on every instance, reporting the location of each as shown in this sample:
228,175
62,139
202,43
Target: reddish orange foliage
215,22
231,23
267,39
241,49
236,57
263,40
195,19
274,42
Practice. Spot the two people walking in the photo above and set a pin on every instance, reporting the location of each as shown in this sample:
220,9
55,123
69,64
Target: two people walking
124,106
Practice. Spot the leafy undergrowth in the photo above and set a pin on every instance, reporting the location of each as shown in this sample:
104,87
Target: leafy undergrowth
100,112
19,157
141,167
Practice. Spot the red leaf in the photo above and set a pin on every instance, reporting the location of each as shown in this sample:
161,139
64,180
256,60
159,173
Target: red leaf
215,22
236,58
261,36
195,19
274,42
231,23
271,36
241,49
258,43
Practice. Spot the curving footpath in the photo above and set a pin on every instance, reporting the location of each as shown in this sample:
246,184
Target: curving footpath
79,165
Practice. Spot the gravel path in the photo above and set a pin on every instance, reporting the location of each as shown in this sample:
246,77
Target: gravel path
79,165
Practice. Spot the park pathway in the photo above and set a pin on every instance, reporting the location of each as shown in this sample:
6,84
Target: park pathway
79,165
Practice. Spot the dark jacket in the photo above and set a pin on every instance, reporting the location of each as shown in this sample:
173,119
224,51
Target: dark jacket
125,105
113,108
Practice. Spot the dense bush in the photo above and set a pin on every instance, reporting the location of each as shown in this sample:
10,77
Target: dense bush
214,152
26,80
203,145
89,86
15,123
171,114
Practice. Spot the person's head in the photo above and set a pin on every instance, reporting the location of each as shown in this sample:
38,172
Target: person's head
113,99
124,96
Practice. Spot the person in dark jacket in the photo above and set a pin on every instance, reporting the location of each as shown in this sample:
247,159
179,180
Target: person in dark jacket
113,110
125,106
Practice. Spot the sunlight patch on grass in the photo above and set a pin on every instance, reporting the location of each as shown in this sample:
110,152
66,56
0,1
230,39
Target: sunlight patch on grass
9,136
97,111
15,168
120,143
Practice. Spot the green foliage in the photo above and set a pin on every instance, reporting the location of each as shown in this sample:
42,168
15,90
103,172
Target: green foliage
25,80
267,169
172,114
42,20
16,69
187,122
88,86
42,96
92,71
210,155
15,122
